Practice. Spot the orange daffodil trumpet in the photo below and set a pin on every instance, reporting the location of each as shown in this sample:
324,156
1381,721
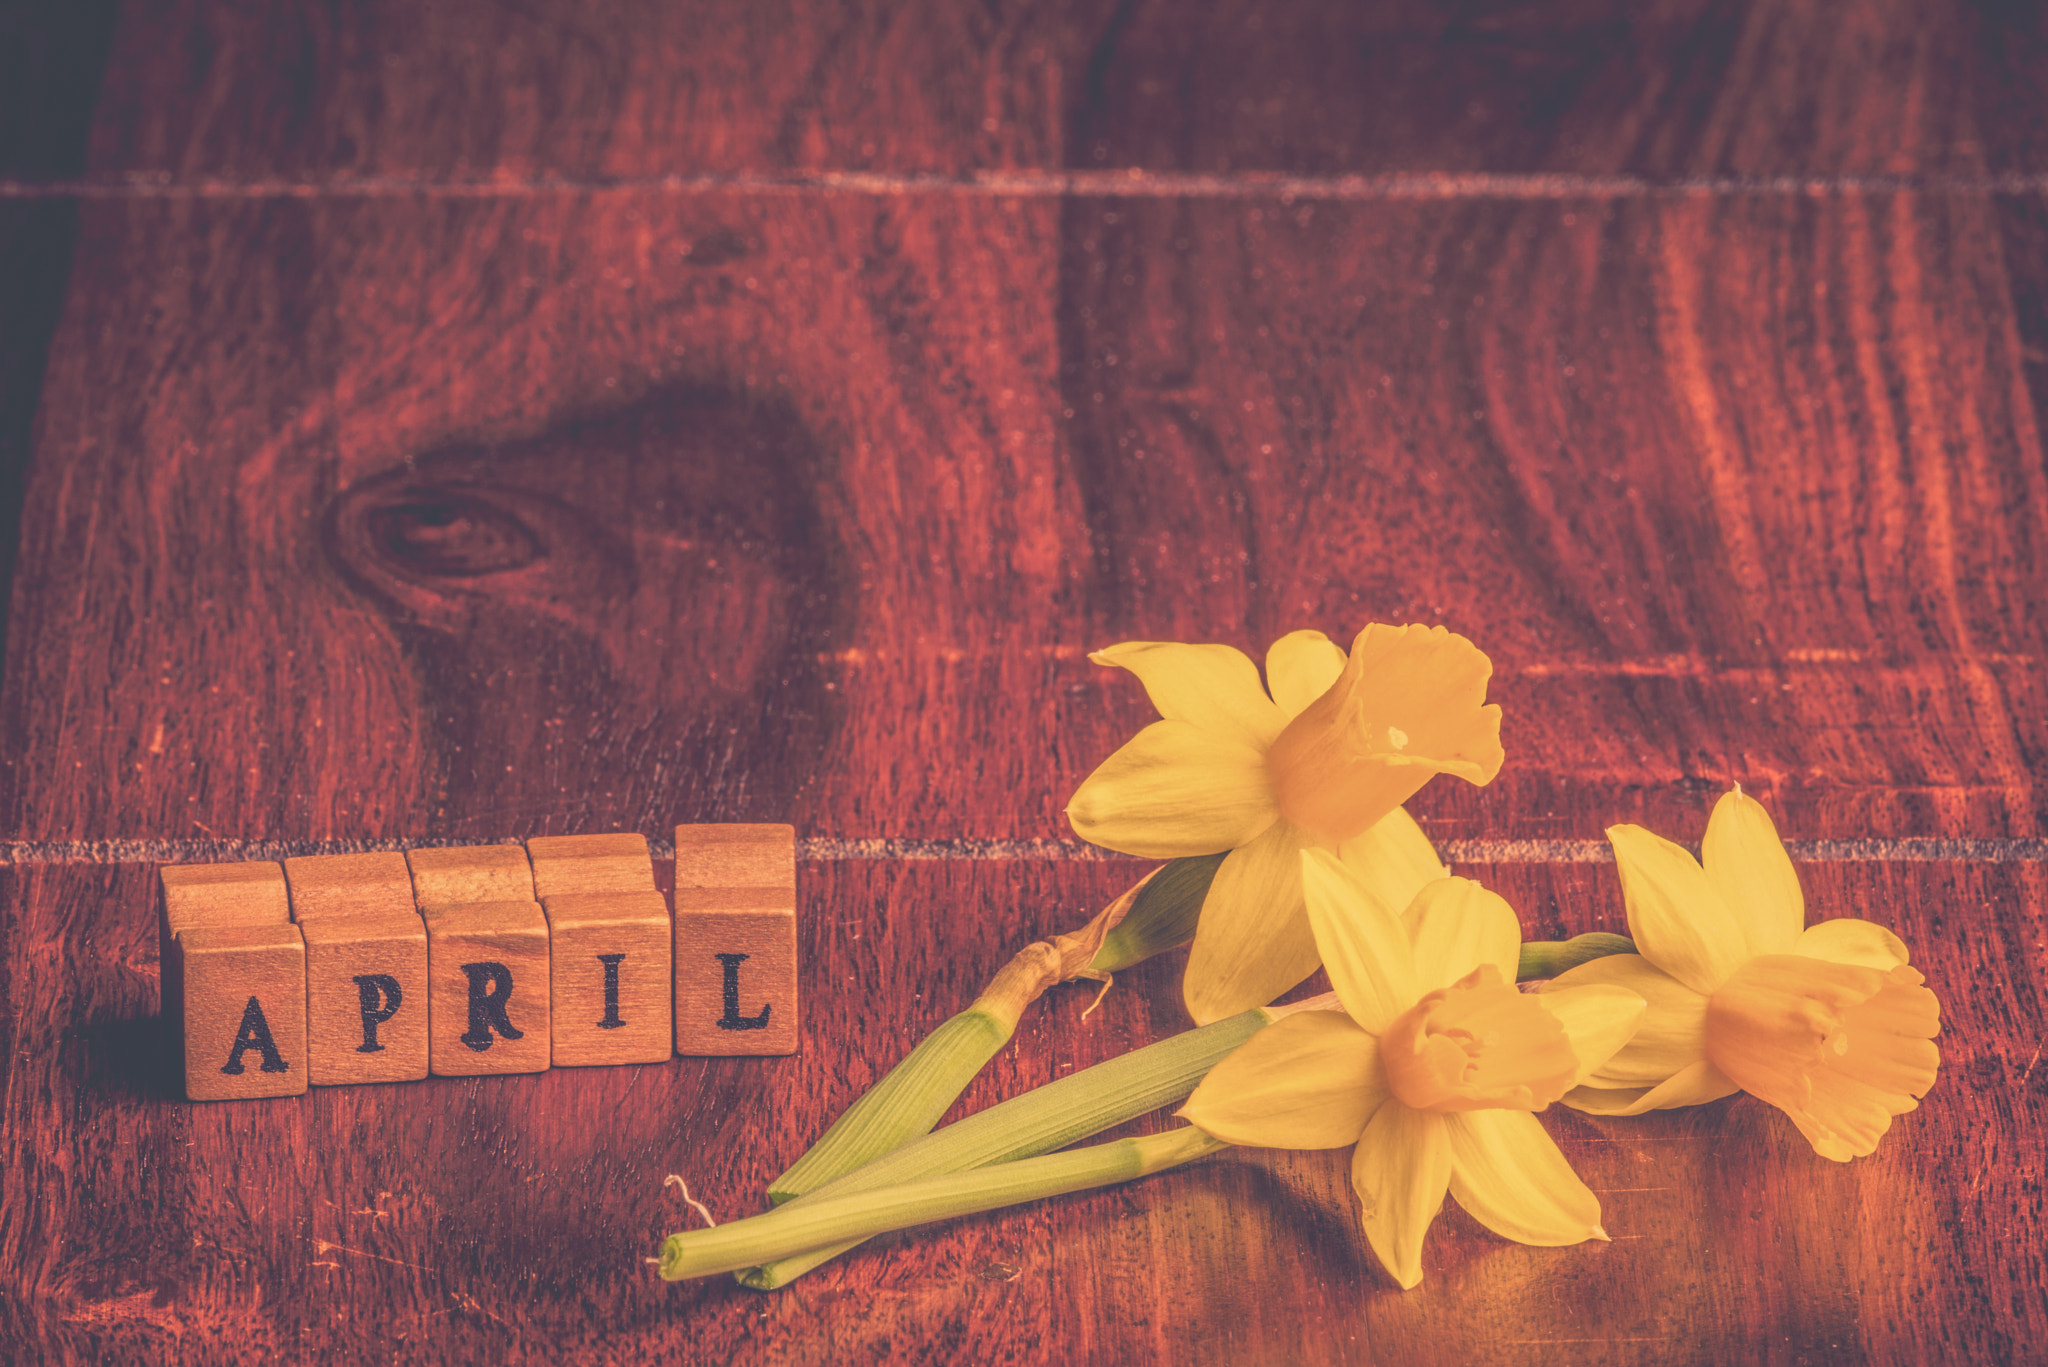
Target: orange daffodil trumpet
1321,757
1825,1022
1431,1070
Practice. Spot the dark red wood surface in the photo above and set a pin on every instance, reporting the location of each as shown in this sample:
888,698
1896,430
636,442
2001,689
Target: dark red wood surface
411,443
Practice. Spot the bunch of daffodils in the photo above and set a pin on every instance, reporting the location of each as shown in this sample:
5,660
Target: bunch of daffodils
1279,805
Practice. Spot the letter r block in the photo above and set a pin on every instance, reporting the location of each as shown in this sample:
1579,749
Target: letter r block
243,990
366,998
487,973
465,874
609,967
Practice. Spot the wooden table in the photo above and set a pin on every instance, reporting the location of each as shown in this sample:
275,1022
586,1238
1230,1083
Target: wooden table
475,421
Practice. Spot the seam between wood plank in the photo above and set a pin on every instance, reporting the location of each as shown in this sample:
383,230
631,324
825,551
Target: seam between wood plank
1131,184
833,849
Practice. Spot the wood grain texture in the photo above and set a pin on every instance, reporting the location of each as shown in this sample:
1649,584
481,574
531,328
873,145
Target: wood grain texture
350,885
465,874
467,483
367,993
487,989
736,856
736,973
242,1007
572,865
616,1012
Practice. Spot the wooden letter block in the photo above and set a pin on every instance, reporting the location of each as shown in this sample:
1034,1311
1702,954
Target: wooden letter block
736,856
244,1010
564,865
609,966
487,971
735,956
466,874
366,997
349,885
197,895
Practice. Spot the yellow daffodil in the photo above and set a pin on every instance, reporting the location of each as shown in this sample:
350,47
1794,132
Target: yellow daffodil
1432,1069
1825,1022
1324,760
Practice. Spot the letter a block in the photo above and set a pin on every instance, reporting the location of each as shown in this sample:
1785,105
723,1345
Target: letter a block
243,992
609,967
487,971
366,998
735,940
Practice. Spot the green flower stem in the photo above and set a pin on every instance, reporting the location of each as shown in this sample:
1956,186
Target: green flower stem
1051,1117
840,1219
1161,909
903,1105
1548,958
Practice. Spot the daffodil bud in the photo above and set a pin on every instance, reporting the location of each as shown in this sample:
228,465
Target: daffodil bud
1548,958
1162,915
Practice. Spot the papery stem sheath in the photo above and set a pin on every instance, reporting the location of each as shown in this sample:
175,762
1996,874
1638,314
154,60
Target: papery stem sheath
824,1220
1050,1117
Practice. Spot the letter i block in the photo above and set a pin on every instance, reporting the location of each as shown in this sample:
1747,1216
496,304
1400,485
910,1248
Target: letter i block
467,874
243,992
609,968
564,865
735,940
366,998
487,971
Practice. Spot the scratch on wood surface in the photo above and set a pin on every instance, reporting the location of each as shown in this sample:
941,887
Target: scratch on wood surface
1135,183
322,1246
2029,1072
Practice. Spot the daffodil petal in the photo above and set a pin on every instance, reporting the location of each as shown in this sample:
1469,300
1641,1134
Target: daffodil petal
1675,916
1361,942
1509,1175
1598,1019
1671,1034
1175,789
1394,859
1747,864
1457,925
1307,1081
1213,687
1300,667
1847,940
1692,1086
1253,940
1401,1170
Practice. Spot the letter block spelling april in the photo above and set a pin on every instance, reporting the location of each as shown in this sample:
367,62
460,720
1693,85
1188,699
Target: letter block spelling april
487,972
609,968
466,874
349,885
735,940
244,1010
195,895
735,954
366,998
568,864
